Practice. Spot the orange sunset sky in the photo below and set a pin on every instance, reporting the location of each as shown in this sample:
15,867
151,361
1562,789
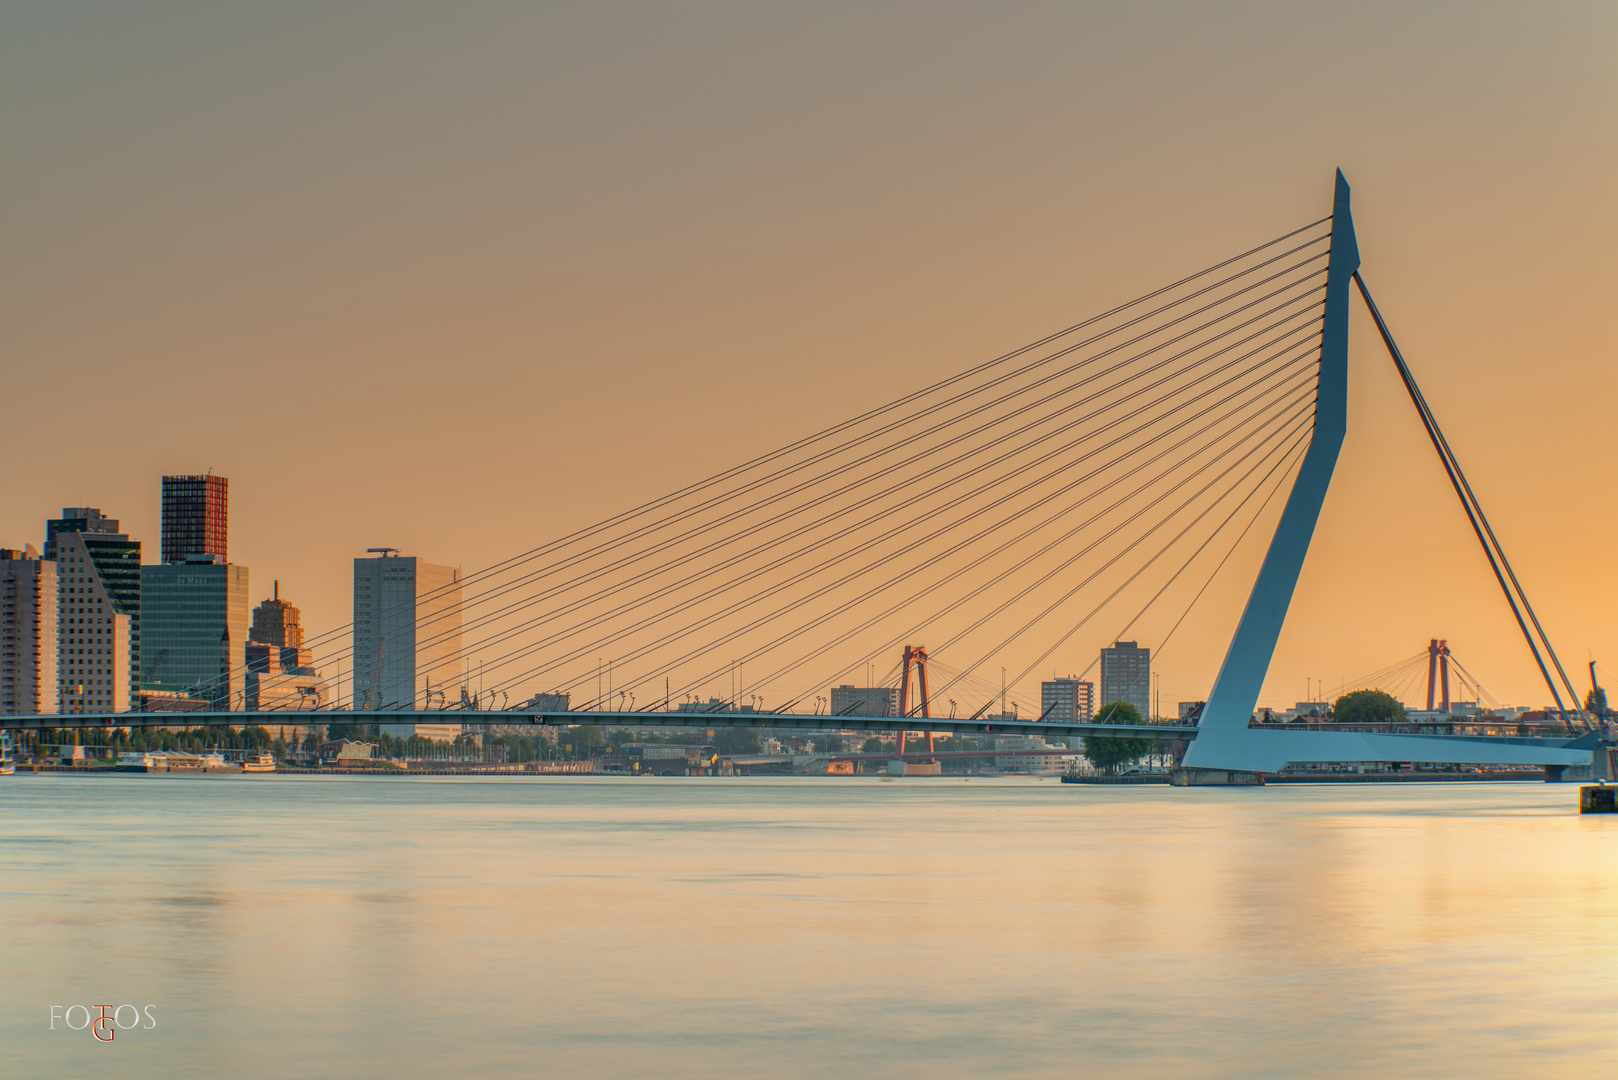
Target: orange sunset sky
460,278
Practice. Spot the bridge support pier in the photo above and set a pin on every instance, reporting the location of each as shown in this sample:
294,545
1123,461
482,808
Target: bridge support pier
1183,777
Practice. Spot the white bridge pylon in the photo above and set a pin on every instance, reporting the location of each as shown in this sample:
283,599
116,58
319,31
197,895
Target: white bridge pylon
1225,737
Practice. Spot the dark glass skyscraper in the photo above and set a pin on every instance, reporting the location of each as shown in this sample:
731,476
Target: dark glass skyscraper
194,629
194,517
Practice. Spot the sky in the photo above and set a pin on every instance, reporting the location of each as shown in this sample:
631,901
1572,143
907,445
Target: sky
461,278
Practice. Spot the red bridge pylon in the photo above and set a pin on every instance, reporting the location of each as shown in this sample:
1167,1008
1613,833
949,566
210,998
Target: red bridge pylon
1438,661
915,658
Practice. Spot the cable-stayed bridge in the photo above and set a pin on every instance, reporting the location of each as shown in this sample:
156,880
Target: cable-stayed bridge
1094,483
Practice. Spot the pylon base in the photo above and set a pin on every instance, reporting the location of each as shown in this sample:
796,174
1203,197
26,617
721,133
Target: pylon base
1184,777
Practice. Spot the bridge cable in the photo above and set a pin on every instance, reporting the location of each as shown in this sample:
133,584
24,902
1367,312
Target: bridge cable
1074,591
775,455
1474,510
1285,459
1158,457
1289,269
1224,368
708,571
847,425
995,580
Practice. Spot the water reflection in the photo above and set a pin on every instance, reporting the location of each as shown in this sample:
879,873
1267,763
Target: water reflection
435,927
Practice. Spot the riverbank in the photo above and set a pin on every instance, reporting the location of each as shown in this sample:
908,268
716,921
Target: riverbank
1492,776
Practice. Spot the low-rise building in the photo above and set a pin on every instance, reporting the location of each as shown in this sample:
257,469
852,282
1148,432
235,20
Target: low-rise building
864,701
433,732
272,686
662,759
1069,700
1053,757
347,752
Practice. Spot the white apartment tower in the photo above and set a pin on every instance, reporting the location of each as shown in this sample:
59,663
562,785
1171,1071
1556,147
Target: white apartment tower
407,633
95,633
98,588
28,654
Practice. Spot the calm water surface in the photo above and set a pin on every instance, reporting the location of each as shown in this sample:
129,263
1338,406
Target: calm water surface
587,927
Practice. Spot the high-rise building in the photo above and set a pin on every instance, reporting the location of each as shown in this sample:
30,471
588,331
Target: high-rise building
280,672
276,622
194,629
98,610
28,646
194,517
194,606
407,632
1070,700
1126,675
865,701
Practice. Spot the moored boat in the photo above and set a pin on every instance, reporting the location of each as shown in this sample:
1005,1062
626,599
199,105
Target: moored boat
171,761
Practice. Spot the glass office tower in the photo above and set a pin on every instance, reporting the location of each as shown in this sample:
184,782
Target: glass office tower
194,629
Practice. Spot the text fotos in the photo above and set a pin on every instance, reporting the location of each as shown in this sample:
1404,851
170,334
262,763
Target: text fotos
101,1024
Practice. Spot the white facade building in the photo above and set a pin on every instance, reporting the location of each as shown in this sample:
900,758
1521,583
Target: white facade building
98,579
95,636
1058,757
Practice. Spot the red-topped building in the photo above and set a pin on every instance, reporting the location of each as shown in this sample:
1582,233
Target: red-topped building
194,517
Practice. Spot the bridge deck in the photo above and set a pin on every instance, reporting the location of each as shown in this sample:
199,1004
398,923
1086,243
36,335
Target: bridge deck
807,722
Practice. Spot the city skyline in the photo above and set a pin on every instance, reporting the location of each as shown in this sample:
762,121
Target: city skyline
341,646
782,293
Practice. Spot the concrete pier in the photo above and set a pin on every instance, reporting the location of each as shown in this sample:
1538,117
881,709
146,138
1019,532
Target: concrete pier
1185,777
1598,799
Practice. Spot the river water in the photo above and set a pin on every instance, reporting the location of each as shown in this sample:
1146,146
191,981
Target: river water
620,927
